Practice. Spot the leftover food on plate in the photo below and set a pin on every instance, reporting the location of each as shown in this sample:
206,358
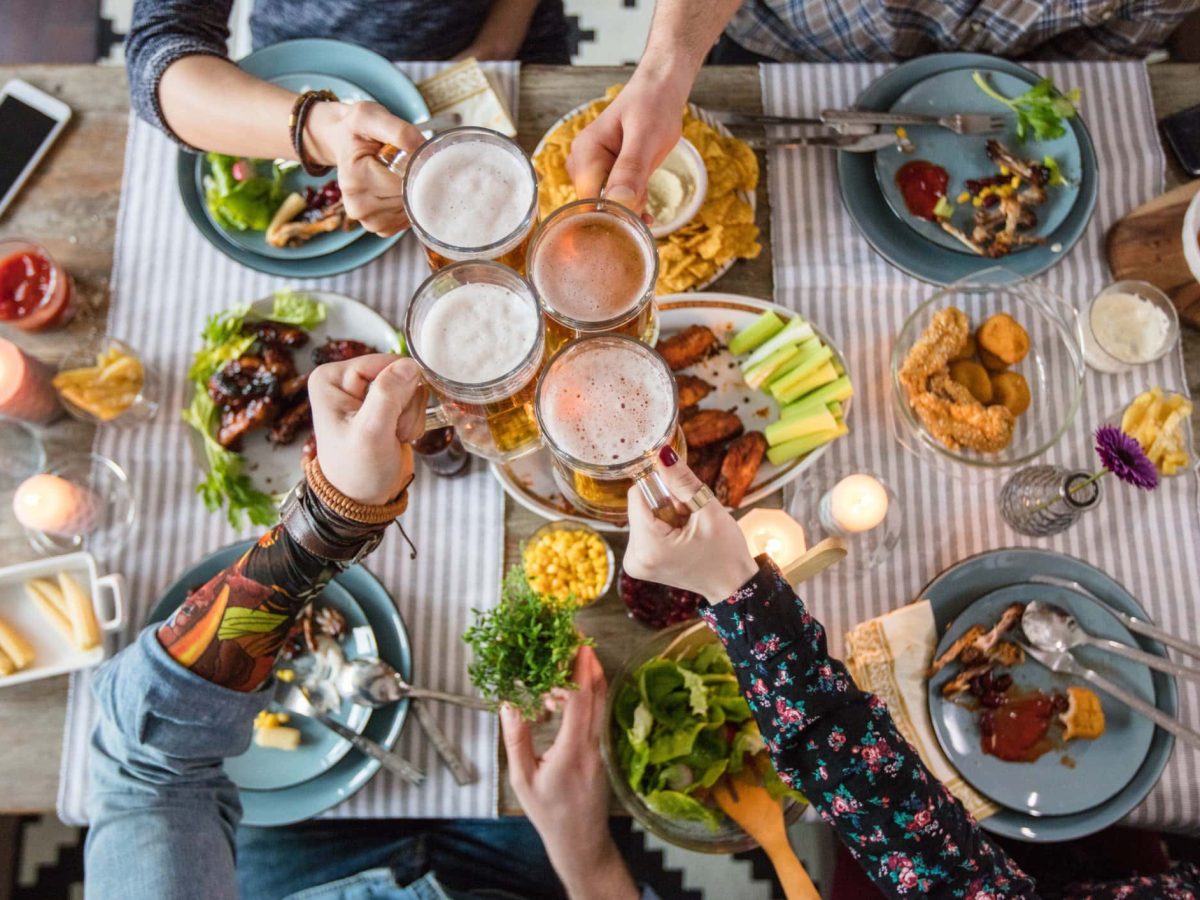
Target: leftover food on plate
960,401
720,233
1016,724
272,731
1157,420
106,389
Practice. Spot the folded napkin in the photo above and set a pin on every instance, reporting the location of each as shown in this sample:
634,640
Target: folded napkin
888,656
467,90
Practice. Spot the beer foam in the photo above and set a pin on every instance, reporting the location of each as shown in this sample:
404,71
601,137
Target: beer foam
475,333
607,405
591,267
471,194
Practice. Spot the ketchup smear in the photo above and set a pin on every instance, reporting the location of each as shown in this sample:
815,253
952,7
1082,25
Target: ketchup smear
1019,728
922,184
25,283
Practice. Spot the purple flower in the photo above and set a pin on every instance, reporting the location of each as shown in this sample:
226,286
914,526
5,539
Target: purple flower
1122,455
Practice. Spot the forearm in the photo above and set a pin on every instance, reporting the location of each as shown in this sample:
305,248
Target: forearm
603,876
503,30
681,34
230,630
839,747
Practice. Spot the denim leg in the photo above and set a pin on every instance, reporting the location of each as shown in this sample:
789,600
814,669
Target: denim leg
482,855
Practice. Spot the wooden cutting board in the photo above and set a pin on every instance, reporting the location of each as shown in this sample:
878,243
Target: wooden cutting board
1147,245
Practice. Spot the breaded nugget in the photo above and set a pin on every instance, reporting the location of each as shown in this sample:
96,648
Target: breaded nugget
739,467
1003,337
1010,389
973,377
967,352
711,426
692,390
687,347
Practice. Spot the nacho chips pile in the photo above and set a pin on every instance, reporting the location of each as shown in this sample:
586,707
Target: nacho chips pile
722,231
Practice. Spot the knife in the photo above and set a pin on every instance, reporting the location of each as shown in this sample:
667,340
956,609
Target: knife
852,143
1066,664
458,764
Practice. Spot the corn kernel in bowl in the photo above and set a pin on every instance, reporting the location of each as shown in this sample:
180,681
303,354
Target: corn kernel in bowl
566,561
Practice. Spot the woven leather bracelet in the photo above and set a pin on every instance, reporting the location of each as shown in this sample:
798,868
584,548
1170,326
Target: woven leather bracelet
300,110
339,503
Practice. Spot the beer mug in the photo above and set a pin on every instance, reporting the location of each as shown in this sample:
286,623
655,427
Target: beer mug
594,265
469,194
476,331
606,406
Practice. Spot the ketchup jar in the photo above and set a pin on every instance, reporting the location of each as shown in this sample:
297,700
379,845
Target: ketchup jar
36,293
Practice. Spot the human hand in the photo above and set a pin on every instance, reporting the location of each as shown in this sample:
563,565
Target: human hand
366,413
564,792
349,135
707,555
629,140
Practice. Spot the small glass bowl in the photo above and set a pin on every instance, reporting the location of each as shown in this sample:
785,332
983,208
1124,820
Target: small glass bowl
1106,359
62,289
21,452
568,525
1189,431
144,405
729,837
115,512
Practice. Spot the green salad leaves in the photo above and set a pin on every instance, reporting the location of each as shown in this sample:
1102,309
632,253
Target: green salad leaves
1041,110
226,484
524,647
247,204
682,725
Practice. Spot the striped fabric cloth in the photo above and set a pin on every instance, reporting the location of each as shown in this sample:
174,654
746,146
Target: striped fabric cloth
827,271
166,280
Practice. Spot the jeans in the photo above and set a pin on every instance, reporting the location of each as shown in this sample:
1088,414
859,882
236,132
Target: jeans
396,860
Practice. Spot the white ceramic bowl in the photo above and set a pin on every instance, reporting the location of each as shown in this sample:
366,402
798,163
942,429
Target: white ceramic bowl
688,211
1191,236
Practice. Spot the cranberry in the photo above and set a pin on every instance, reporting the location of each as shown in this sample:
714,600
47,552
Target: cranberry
1002,683
657,605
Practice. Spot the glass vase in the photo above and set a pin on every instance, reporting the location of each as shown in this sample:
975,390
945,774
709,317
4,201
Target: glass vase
1043,500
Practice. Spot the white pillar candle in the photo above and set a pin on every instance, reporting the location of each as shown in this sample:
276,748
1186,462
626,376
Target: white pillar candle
55,506
857,503
775,533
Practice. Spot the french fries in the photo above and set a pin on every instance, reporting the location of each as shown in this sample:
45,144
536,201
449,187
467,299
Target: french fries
1156,420
106,389
67,607
17,652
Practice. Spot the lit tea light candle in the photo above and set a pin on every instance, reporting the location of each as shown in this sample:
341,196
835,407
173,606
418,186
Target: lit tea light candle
25,389
55,506
857,503
775,533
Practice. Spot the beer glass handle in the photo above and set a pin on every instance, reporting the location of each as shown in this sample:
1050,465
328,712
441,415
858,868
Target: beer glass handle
660,498
435,418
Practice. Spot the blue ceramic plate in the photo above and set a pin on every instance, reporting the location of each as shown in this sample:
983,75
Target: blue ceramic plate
296,181
953,591
311,796
903,246
965,157
1084,773
375,77
265,769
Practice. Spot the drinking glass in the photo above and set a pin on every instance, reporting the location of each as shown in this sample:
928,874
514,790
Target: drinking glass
509,249
495,418
563,243
21,452
601,489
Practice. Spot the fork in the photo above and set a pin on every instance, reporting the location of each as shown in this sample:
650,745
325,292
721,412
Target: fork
959,123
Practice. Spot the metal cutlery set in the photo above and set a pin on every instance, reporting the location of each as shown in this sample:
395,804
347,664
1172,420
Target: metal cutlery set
858,130
1052,632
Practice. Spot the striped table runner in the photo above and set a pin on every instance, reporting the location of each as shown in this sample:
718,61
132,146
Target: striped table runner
827,271
166,280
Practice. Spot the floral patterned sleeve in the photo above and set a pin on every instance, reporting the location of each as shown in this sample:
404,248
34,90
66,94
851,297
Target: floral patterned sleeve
839,747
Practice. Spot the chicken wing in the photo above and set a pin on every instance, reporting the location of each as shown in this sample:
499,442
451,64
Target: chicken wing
692,390
739,467
711,426
687,347
706,463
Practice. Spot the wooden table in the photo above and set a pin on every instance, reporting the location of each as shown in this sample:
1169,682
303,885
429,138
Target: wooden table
71,207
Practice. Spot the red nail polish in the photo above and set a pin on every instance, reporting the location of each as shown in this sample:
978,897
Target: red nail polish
668,456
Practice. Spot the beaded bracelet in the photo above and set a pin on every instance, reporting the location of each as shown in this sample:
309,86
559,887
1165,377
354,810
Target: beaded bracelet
347,508
300,110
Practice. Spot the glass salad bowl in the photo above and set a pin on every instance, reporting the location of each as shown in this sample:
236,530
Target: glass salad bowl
1053,369
684,641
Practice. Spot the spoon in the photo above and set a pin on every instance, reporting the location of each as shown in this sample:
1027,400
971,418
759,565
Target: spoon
372,682
1051,627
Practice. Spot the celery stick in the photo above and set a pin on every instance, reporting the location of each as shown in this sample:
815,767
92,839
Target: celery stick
839,391
809,346
756,375
784,453
785,430
801,373
793,332
839,368
815,379
758,331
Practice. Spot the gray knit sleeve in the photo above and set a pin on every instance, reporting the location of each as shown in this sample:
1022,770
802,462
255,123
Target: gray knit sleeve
162,32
